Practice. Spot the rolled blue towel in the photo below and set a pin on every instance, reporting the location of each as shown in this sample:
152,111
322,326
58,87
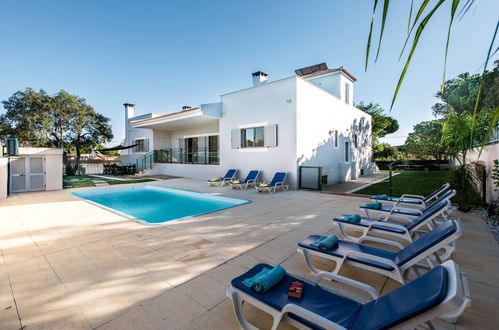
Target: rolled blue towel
266,279
326,243
374,206
384,197
354,218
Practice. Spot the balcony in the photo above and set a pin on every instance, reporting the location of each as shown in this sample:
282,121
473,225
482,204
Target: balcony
207,156
200,156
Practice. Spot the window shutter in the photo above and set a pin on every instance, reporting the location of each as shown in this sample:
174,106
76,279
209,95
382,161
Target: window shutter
270,136
146,145
235,138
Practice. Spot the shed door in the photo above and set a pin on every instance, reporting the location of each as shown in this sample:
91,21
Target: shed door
27,174
36,174
18,180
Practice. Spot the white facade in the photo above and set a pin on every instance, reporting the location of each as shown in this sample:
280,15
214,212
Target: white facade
487,156
304,122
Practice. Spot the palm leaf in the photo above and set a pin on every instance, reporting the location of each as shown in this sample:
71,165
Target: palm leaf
483,79
417,35
410,16
370,34
418,15
455,4
465,8
492,124
386,3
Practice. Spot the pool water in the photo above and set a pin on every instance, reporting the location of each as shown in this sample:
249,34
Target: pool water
155,205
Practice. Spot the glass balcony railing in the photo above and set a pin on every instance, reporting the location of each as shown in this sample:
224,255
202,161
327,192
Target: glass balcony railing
209,156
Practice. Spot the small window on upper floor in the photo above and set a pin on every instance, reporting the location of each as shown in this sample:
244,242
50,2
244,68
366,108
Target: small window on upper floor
355,144
336,142
347,93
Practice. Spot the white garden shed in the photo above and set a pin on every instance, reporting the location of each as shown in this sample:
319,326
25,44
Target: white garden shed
33,169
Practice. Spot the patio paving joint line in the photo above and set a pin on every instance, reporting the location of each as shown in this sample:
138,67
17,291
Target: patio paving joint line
12,292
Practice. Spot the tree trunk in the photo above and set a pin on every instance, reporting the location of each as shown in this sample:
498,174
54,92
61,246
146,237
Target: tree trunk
77,158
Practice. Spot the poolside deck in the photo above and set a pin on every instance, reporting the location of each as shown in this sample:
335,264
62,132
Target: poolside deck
69,264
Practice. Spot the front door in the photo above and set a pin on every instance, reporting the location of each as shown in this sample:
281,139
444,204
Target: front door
27,174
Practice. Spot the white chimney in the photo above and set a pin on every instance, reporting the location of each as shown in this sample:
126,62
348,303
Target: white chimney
259,78
129,110
128,114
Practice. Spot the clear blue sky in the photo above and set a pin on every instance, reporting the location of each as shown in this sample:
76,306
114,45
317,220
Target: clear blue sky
161,55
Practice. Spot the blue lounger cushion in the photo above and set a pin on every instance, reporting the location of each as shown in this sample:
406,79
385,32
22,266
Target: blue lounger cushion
395,199
332,306
402,304
377,224
343,247
425,242
387,311
403,256
266,279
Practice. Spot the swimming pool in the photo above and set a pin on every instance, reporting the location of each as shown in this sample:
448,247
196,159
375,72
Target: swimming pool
156,205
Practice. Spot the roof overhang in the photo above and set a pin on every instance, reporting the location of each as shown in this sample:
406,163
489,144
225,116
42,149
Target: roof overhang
204,115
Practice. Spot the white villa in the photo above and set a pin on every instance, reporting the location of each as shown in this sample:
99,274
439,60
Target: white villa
307,119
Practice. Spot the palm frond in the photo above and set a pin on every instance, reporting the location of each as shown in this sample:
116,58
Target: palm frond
492,124
370,34
465,8
483,78
417,35
418,15
455,4
410,16
386,5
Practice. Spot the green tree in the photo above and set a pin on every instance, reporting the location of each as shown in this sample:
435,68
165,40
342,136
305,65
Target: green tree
61,120
457,131
382,124
426,139
26,118
460,94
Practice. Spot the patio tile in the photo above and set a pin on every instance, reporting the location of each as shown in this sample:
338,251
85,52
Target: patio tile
100,267
204,290
135,318
219,318
173,309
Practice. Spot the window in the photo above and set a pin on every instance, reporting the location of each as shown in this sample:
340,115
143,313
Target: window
347,93
347,152
355,140
252,137
142,145
336,142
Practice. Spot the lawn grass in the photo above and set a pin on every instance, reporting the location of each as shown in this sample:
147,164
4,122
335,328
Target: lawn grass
409,182
79,181
417,183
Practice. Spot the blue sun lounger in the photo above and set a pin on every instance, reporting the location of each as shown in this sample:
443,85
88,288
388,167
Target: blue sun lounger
440,293
404,213
412,200
223,180
277,182
387,229
391,264
244,184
